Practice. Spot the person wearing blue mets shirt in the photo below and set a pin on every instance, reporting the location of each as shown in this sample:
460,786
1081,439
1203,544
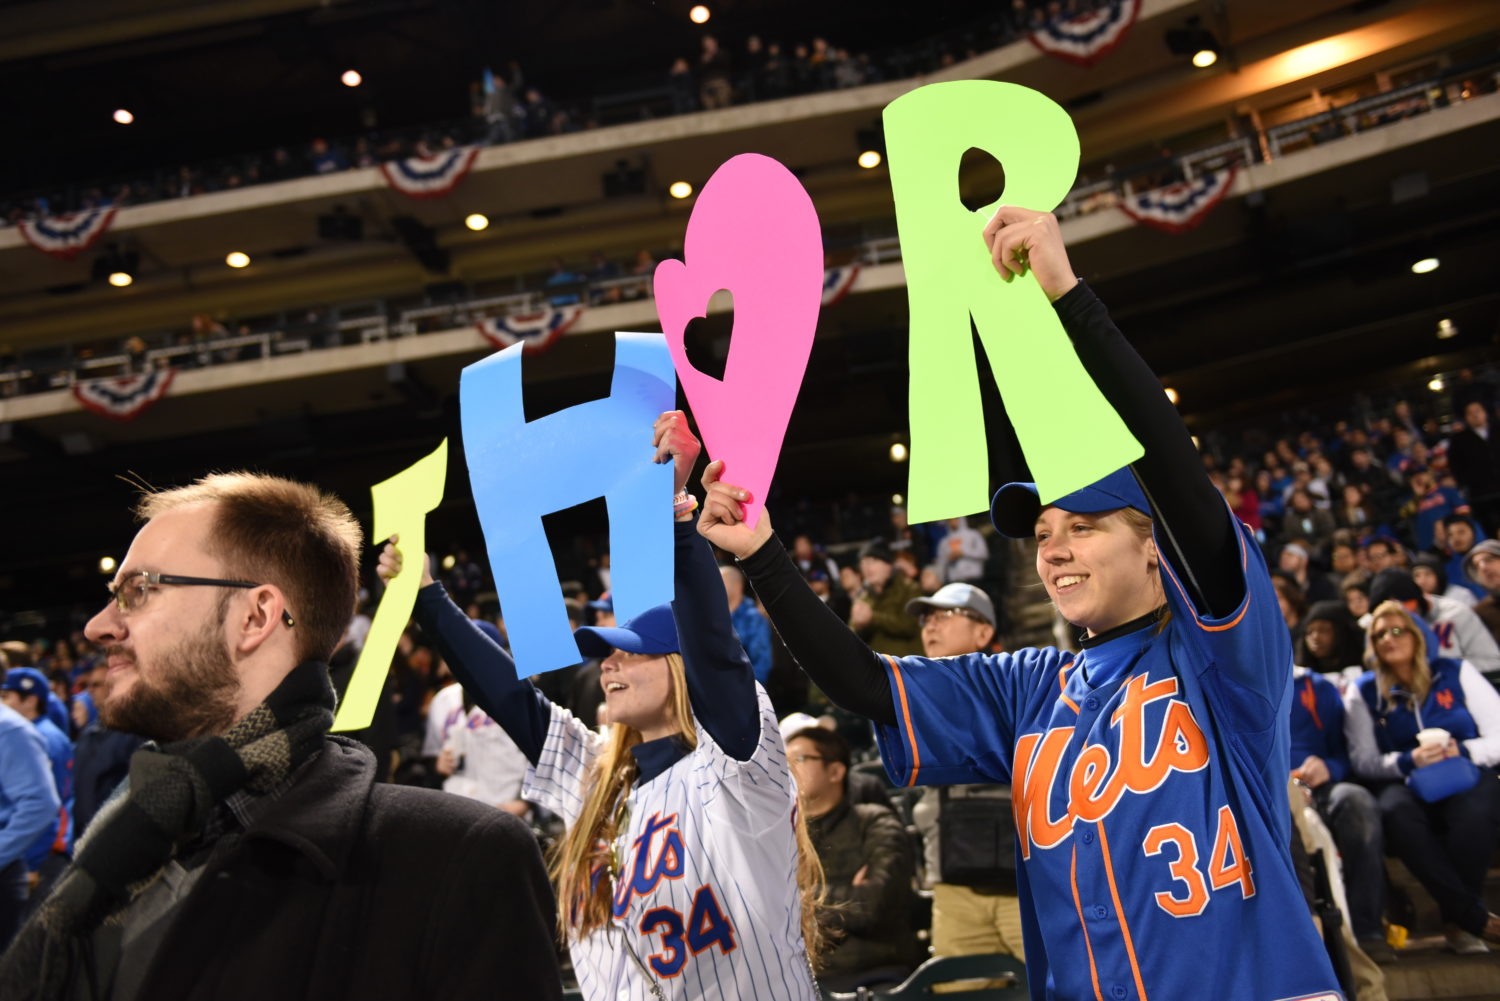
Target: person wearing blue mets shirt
1148,770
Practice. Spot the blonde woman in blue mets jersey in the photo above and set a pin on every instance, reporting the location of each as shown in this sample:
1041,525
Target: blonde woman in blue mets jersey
681,870
1148,770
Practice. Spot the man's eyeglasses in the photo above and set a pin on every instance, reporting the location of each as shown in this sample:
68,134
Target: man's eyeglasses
947,613
801,759
131,591
1395,631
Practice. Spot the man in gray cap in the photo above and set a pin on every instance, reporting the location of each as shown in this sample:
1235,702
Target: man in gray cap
1482,565
968,835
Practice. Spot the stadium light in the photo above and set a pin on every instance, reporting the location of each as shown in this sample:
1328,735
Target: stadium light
1446,329
1172,395
351,78
680,189
699,14
898,452
1204,58
477,221
237,259
450,561
106,564
869,159
1425,266
121,279
897,499
1436,384
123,116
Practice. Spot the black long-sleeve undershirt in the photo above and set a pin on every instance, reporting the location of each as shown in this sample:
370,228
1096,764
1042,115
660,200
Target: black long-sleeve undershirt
1193,525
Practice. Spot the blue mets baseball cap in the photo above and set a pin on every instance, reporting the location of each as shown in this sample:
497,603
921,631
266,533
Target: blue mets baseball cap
653,631
27,681
1016,505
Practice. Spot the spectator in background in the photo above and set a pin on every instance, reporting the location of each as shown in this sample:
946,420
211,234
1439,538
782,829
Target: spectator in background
905,537
324,158
1482,566
1292,602
1331,639
750,625
714,89
536,114
1431,576
877,613
602,269
967,835
682,86
867,868
1382,553
809,557
1296,562
1429,504
1355,590
1460,535
101,758
961,553
27,691
752,70
1461,634
1447,844
464,579
775,73
1474,457
28,810
1305,520
1244,502
566,281
1354,511
1320,760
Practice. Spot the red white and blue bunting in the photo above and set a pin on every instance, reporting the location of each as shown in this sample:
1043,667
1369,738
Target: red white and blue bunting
67,236
837,282
124,398
430,176
538,331
1089,37
1177,208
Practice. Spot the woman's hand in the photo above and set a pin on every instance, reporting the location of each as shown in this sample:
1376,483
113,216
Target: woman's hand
674,441
1431,754
389,564
723,519
1020,240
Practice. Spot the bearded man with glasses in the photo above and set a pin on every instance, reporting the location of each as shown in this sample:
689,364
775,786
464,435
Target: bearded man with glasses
245,813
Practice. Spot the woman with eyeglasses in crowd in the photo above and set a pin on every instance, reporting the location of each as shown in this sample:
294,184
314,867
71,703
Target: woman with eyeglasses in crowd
1394,722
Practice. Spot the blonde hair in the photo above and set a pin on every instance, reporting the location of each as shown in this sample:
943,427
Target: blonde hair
1421,673
1144,527
581,862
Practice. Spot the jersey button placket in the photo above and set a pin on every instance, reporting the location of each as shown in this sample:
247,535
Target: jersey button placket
1091,703
1119,991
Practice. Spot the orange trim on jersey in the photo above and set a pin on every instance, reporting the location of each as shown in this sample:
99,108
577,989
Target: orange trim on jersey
911,736
1078,906
1114,892
1062,684
1201,624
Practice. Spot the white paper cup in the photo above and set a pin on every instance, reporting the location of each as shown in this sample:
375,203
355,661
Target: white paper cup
1434,736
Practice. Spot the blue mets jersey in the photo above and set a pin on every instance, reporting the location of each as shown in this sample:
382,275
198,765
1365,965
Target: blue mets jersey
1149,789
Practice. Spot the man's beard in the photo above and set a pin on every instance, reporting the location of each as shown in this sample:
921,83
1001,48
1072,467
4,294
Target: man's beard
194,690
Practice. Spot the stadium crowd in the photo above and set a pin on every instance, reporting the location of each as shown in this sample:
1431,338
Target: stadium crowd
1380,534
505,106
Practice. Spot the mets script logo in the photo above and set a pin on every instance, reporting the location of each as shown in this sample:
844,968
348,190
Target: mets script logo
1445,698
1097,781
1444,633
653,859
